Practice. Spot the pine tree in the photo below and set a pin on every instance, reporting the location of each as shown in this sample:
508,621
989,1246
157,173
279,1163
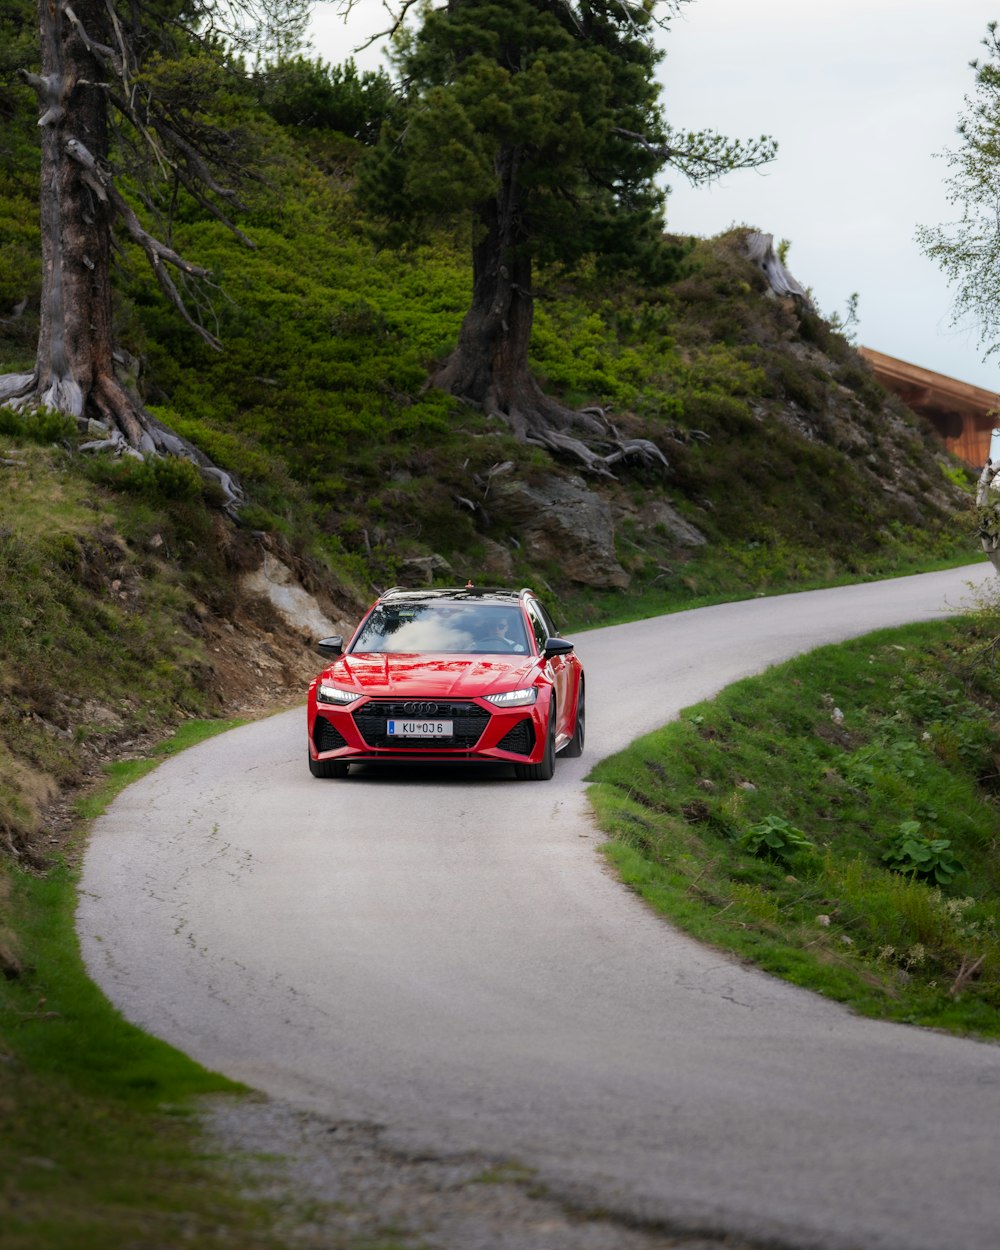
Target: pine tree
540,120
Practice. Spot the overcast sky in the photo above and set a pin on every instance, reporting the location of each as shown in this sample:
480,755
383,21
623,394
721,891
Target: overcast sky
860,95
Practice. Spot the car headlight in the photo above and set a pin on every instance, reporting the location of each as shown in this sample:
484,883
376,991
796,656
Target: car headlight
333,694
513,698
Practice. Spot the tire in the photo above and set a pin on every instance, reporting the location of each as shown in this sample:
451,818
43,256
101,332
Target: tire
543,770
328,768
574,747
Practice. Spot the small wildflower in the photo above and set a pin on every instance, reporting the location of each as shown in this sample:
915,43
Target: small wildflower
915,956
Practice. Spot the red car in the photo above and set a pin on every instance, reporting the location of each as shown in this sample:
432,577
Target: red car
448,676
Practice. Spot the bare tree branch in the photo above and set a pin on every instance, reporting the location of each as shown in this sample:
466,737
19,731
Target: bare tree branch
157,253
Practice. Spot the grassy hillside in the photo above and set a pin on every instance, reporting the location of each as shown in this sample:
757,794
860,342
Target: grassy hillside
782,449
788,464
835,821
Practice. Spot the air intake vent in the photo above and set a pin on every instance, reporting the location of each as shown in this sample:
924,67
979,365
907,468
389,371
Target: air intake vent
326,736
520,739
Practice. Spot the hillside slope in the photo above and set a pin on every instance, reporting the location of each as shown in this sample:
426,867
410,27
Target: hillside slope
126,602
782,450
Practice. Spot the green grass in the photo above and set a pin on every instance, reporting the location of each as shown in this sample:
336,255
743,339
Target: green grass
712,583
771,822
100,1147
101,642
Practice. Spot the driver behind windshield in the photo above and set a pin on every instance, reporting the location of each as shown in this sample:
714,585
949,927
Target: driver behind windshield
422,627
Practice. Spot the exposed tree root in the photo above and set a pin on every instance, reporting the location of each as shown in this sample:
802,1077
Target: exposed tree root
15,387
599,462
550,426
585,435
116,423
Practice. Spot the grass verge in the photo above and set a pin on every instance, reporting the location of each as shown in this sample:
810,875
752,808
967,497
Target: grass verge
589,609
100,1145
835,821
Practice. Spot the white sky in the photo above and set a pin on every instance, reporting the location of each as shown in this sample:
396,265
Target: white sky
860,95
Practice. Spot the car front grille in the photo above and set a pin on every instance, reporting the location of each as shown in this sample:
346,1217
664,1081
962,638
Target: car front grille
520,740
468,722
326,736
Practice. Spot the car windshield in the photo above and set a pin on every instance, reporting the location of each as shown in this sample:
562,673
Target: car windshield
457,628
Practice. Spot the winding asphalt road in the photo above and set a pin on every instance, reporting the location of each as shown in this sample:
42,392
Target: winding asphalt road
447,955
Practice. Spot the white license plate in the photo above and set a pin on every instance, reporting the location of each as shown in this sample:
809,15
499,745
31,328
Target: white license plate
419,728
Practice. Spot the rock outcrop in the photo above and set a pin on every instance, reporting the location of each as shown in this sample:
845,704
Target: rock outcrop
562,521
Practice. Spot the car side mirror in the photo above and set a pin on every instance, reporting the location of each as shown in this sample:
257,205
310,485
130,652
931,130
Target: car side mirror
556,646
330,648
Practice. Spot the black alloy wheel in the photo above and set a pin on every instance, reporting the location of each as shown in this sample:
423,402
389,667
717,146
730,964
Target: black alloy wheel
328,768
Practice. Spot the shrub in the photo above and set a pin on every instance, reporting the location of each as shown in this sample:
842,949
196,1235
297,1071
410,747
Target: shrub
774,838
917,854
299,92
44,426
157,479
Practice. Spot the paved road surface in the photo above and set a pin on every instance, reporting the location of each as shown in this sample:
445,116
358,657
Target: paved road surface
446,954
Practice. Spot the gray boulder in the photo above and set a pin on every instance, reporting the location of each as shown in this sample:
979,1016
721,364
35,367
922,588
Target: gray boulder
562,521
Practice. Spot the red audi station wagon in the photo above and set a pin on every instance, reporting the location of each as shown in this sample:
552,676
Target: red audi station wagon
448,676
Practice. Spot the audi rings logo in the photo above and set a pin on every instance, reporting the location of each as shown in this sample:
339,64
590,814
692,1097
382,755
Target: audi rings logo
420,709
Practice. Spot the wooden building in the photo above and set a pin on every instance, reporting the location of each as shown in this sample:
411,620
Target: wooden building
964,415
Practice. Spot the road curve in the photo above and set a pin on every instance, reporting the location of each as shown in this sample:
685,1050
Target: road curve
447,955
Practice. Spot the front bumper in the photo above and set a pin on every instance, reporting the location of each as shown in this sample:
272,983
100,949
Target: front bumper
482,732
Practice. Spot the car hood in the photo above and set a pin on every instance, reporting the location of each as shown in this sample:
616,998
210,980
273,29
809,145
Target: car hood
432,676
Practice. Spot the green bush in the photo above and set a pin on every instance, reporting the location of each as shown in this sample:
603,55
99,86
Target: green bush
158,479
316,95
43,427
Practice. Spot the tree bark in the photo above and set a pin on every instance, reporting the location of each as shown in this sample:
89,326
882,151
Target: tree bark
489,365
74,343
760,249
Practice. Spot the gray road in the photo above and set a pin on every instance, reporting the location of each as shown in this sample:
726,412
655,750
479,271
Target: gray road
447,955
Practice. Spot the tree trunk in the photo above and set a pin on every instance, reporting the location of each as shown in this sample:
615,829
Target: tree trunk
74,367
74,362
988,513
489,366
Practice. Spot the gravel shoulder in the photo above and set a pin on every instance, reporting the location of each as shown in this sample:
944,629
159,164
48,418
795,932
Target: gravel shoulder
340,1187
